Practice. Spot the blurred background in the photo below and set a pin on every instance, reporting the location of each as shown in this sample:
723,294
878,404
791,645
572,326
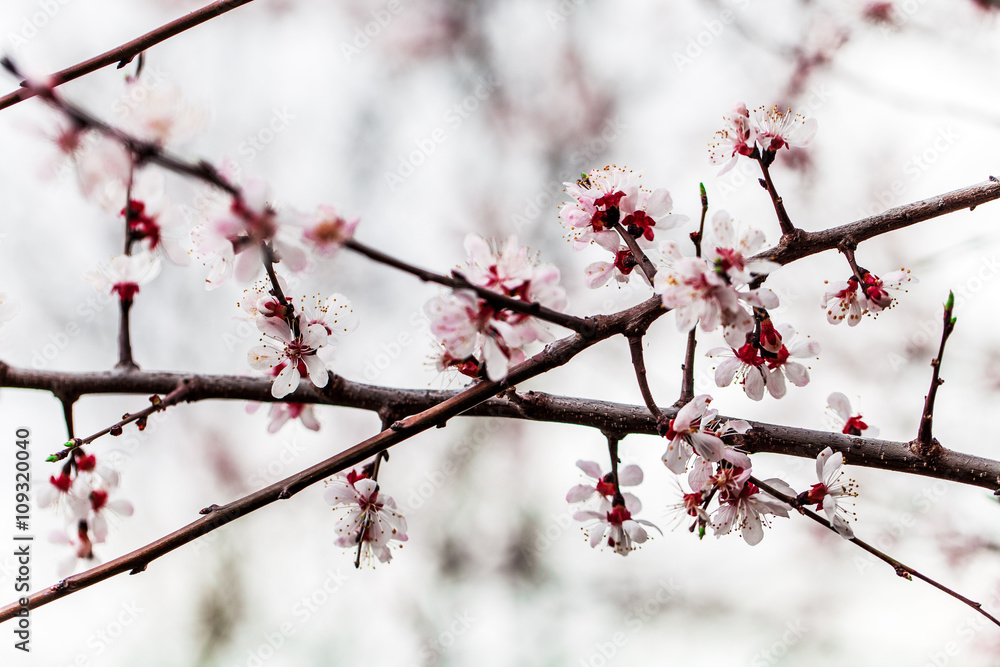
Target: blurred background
432,120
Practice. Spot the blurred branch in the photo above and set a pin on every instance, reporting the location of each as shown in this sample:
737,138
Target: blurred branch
124,54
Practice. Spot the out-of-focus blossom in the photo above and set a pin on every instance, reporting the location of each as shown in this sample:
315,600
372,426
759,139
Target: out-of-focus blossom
469,326
848,422
122,275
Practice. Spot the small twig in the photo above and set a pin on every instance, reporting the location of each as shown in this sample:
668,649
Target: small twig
847,248
643,262
125,362
613,440
697,237
902,570
156,404
639,364
926,444
779,207
584,327
123,54
67,406
687,378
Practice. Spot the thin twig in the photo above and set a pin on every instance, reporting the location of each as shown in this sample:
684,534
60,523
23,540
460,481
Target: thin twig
901,570
639,364
613,440
123,54
687,369
926,444
806,243
156,404
784,221
699,236
125,362
643,262
582,326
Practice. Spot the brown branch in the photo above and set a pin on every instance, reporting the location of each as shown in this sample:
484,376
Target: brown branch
157,404
125,362
458,281
926,445
556,354
787,228
532,406
643,262
123,54
639,364
901,570
804,243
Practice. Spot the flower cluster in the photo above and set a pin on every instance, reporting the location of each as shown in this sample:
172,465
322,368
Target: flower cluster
758,136
855,297
611,522
710,290
610,199
372,520
765,361
475,332
82,491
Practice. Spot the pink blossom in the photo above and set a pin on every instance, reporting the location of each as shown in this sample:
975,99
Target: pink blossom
841,302
698,293
690,433
326,231
612,195
848,422
616,528
83,548
737,137
122,275
471,327
101,506
748,507
372,519
778,129
232,243
829,494
875,292
290,356
730,251
602,489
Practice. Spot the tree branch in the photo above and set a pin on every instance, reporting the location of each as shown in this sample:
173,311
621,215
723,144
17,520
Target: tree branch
556,354
458,282
532,406
926,445
126,52
902,570
804,243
